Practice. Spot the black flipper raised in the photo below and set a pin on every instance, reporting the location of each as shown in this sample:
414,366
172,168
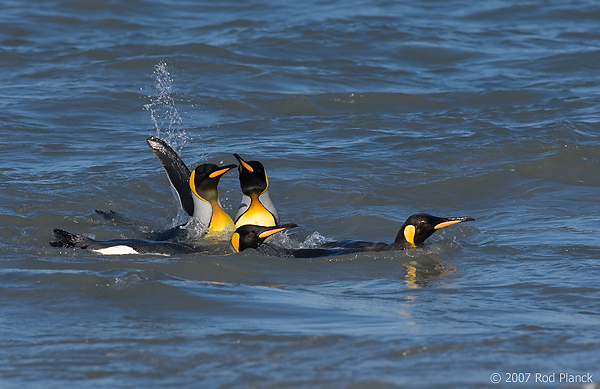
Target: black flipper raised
177,171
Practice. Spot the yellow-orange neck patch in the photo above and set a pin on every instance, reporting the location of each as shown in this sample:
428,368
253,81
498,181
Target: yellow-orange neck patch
256,215
235,242
409,234
220,221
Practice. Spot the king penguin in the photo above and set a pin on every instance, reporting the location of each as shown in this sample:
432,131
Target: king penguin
196,190
207,208
256,207
415,230
243,238
119,246
412,233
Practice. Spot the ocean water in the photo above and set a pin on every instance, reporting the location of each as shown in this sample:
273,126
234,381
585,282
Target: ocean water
363,113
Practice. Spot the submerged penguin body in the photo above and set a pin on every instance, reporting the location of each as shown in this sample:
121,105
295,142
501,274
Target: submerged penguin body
415,230
119,246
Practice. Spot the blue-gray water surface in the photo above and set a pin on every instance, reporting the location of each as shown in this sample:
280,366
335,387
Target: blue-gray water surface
363,113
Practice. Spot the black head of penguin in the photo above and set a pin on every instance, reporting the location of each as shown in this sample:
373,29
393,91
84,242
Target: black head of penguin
421,226
253,177
205,179
250,236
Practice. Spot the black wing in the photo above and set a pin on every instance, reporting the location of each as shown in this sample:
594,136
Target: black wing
177,171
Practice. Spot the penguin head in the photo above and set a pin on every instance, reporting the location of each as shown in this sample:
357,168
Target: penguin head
205,178
421,226
250,236
253,177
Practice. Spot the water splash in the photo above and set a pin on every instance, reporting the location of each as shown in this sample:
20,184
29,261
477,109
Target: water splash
167,120
163,109
315,240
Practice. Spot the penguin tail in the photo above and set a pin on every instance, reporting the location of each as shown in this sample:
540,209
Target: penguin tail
66,239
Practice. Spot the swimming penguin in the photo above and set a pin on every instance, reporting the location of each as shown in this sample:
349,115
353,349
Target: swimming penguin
256,207
197,191
119,246
412,234
243,238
